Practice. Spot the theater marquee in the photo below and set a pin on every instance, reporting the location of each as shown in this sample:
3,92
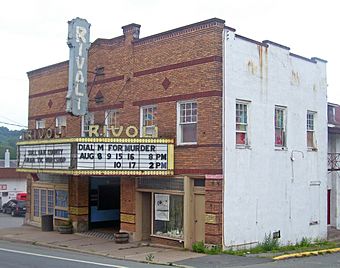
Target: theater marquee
97,156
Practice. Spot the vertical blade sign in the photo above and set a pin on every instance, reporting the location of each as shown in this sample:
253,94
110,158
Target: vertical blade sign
78,41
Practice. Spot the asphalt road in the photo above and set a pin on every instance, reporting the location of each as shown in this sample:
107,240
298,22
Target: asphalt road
7,221
17,255
220,261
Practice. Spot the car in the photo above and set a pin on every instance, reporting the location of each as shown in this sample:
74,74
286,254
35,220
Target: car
14,207
19,209
7,207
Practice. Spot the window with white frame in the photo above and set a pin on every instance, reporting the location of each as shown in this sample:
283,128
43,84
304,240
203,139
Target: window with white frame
242,123
40,123
87,120
187,122
280,126
311,129
148,120
111,120
60,121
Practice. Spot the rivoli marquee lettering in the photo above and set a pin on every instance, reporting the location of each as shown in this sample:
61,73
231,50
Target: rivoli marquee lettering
130,131
94,131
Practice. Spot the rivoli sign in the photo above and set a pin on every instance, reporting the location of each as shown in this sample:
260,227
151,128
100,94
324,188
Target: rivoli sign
78,41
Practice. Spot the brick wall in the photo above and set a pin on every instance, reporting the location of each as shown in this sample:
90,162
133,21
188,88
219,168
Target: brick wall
127,202
190,58
79,201
213,209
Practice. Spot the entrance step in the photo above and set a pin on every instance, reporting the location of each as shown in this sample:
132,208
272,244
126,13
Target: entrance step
99,234
333,234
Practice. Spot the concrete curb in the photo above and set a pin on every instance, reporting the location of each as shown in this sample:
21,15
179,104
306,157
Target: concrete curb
36,243
306,254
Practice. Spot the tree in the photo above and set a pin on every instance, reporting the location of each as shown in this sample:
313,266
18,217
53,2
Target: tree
8,140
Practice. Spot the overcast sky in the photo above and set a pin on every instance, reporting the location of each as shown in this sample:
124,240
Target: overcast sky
33,33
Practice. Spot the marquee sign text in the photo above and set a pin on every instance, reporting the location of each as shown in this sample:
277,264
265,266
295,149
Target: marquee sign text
93,156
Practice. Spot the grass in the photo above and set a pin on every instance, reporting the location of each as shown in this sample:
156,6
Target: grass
269,245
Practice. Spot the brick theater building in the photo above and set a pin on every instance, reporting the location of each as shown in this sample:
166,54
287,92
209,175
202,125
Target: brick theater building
171,81
148,147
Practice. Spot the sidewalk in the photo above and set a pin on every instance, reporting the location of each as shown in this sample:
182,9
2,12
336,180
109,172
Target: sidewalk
134,251
140,252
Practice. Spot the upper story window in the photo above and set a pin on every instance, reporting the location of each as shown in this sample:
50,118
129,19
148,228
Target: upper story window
311,142
331,114
280,126
60,121
187,122
148,121
242,123
40,123
111,121
87,120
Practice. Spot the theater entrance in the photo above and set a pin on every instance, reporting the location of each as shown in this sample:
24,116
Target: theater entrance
104,203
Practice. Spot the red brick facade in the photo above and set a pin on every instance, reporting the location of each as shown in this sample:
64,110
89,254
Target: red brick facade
182,64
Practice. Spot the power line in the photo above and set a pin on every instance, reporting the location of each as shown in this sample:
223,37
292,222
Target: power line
9,119
17,125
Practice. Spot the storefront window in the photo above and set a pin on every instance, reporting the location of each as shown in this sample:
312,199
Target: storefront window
168,216
43,202
61,203
49,201
36,203
50,204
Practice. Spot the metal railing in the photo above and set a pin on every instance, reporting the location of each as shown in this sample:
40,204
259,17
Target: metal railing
333,161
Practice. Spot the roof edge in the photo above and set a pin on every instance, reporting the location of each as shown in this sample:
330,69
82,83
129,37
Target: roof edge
46,68
177,30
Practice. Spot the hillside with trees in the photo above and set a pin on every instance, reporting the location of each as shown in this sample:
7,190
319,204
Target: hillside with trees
8,140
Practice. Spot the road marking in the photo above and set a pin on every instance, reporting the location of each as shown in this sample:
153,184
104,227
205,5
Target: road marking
61,258
306,254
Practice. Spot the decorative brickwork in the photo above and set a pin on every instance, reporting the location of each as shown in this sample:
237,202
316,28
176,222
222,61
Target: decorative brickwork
213,209
78,202
128,204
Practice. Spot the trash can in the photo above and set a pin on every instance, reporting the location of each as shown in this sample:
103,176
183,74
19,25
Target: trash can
46,223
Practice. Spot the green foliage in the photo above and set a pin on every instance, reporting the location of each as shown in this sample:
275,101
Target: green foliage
198,247
305,242
150,257
8,140
215,249
270,244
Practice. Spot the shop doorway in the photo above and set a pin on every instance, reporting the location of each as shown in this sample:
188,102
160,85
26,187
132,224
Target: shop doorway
104,203
199,224
146,215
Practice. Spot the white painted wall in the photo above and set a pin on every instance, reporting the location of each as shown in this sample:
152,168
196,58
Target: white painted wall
264,190
334,182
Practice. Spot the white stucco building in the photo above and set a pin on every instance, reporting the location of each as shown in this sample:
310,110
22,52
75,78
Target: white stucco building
275,143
